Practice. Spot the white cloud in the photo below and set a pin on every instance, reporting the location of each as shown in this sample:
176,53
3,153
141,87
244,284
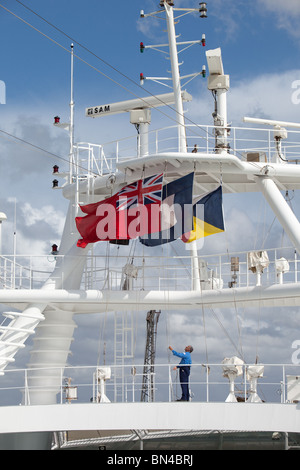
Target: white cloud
287,14
28,246
289,7
149,26
48,214
267,95
35,230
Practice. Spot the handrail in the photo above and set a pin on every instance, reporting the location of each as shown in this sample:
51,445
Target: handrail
162,273
102,159
207,383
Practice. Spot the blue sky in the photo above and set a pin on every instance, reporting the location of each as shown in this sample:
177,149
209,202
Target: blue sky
260,44
255,40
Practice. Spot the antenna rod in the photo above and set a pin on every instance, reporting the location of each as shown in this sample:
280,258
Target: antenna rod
72,104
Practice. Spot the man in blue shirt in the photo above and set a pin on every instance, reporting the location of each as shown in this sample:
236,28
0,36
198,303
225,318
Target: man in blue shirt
184,370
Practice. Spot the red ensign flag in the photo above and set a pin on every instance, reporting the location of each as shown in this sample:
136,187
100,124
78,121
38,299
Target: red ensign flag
132,212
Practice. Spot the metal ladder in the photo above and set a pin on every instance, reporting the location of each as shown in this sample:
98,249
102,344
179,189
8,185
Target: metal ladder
123,347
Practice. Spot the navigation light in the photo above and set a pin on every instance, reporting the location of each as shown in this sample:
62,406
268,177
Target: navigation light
203,10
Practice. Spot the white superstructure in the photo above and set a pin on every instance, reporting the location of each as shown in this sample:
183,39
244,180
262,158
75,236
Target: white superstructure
84,284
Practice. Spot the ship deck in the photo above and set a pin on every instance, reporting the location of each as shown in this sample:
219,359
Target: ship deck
151,421
82,417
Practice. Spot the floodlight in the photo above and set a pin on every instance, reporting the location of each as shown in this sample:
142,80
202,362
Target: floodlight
232,368
253,374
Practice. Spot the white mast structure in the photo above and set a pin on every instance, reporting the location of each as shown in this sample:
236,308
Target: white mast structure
168,5
182,144
48,312
176,80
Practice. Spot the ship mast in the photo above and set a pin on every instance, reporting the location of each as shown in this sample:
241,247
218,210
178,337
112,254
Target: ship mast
168,5
182,145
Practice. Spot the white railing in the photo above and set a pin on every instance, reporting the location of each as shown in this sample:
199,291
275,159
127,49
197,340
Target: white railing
93,159
174,273
218,271
207,384
244,140
25,272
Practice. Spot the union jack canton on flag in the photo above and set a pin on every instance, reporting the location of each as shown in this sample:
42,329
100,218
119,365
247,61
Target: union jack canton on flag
146,191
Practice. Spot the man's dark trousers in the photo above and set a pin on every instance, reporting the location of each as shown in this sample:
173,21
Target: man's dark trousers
184,373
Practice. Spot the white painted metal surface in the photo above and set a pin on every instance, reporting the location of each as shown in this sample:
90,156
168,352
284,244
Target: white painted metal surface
159,416
80,301
138,103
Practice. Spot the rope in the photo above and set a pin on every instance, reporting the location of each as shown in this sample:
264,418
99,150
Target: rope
226,332
205,337
240,348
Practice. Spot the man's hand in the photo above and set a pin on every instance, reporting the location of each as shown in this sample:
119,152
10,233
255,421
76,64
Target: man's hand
170,347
